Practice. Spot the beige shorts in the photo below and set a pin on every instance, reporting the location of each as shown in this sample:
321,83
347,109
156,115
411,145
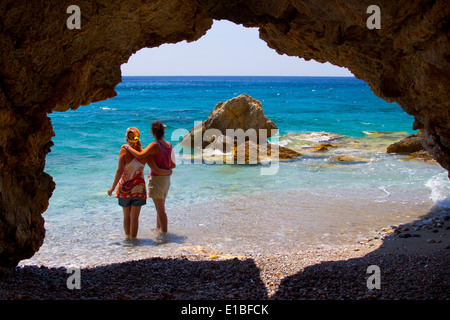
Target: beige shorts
158,187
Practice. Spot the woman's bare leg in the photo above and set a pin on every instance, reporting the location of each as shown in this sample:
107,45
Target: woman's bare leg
134,221
158,223
161,214
126,221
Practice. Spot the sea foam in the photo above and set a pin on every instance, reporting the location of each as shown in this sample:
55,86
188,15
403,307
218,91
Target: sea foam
439,186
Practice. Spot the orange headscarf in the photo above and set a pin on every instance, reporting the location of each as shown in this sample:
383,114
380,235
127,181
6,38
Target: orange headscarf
133,138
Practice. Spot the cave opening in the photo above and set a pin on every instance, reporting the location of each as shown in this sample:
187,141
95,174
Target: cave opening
309,112
271,228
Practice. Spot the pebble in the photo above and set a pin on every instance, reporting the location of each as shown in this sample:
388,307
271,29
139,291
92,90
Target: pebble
404,235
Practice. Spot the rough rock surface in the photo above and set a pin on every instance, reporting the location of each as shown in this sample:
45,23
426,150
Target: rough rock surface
412,146
249,153
323,147
409,145
245,117
44,66
241,112
422,155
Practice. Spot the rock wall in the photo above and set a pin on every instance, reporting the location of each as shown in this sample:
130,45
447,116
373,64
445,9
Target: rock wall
45,67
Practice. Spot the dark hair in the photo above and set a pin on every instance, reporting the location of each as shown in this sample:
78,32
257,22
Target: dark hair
158,129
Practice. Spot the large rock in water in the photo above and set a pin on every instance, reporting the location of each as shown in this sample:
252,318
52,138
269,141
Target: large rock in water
241,112
238,126
45,66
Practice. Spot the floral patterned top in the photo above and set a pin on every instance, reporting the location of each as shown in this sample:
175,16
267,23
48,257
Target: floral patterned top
132,183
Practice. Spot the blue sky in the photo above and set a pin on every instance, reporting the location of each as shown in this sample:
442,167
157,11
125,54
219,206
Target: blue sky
226,49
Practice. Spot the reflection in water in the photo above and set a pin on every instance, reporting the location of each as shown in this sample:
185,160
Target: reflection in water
159,239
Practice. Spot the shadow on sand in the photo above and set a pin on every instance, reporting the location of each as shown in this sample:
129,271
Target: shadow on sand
413,262
154,278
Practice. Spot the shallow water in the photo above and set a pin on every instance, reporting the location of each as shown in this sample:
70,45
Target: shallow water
284,222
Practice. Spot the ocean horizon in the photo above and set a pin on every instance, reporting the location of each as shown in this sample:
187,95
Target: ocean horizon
313,201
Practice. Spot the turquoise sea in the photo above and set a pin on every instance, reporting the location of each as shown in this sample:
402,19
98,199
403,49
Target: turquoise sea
313,201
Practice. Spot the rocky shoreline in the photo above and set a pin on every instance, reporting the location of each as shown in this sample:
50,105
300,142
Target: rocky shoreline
412,267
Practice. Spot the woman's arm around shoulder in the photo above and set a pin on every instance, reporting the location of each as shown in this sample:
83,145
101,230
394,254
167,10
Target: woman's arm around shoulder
162,172
152,148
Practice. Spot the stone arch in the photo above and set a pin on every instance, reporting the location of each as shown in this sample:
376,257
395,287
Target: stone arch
47,67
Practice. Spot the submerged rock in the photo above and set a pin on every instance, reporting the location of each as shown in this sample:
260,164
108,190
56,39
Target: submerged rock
323,147
345,158
412,146
254,152
421,155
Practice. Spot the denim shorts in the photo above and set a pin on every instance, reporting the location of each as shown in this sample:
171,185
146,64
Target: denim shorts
135,201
